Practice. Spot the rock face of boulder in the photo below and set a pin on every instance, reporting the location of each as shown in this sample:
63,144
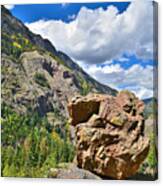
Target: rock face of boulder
110,137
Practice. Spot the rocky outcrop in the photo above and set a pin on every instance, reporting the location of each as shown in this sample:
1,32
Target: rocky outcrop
71,171
110,137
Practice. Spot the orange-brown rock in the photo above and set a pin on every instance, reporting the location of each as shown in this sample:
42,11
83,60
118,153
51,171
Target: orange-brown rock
84,107
110,137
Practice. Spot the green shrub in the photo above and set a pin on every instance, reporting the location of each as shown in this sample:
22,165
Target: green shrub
14,45
150,164
85,87
41,80
152,155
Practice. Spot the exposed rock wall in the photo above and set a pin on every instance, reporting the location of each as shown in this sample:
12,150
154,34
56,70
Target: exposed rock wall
110,137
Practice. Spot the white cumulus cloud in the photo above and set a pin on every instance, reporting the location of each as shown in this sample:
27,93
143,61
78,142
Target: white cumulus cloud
95,38
99,35
71,17
9,6
136,78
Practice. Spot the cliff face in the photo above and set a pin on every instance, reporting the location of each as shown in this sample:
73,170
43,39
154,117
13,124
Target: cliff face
37,77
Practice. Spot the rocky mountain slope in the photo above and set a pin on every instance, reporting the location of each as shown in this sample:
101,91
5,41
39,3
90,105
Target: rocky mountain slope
37,77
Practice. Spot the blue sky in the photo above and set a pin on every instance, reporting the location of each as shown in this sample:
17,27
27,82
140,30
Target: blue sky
30,13
113,42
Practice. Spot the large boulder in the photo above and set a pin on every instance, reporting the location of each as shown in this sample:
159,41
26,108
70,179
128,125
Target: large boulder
110,137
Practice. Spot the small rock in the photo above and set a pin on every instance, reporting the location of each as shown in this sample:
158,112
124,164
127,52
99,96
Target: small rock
71,172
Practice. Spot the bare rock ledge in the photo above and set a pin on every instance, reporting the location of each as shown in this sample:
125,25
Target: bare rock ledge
71,171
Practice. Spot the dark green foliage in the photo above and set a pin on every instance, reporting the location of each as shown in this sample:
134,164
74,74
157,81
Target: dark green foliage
150,164
41,80
29,149
85,87
152,155
150,108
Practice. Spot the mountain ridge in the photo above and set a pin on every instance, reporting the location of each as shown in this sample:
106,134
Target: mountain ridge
36,75
47,45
